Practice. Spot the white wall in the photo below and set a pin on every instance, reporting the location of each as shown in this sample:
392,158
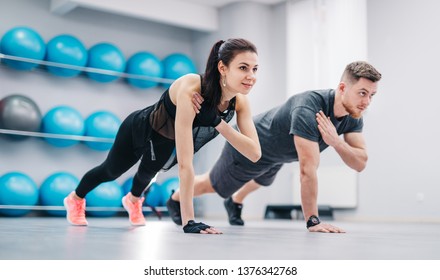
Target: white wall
323,37
402,179
400,182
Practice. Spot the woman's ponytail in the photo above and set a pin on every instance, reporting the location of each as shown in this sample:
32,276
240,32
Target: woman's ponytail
211,87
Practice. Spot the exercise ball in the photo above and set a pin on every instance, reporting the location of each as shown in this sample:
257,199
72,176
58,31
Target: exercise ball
153,195
167,188
66,49
22,42
126,186
176,65
108,194
19,112
55,188
63,120
147,65
101,124
17,188
105,56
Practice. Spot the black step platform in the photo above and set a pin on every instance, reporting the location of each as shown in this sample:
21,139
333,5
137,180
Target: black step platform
285,212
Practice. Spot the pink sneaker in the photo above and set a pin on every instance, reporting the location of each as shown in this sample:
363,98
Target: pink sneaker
76,210
134,210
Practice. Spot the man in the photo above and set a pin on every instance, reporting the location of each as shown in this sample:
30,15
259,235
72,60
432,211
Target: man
298,130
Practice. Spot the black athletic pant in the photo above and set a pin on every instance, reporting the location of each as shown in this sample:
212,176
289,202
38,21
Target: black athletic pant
123,155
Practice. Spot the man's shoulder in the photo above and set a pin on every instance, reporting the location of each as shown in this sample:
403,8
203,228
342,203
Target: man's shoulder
323,95
313,95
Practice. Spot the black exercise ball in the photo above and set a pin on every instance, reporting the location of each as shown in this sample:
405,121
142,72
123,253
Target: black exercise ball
19,112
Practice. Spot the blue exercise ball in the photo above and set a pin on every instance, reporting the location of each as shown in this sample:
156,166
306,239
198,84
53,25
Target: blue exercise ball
19,112
101,124
55,188
176,65
144,64
126,186
17,188
23,42
63,120
105,56
153,195
167,188
66,49
108,194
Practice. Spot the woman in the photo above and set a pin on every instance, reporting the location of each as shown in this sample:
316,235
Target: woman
173,124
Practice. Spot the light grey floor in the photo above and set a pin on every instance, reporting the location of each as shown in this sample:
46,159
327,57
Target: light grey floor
49,238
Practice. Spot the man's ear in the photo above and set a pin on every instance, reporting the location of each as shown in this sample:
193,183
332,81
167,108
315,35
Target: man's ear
342,87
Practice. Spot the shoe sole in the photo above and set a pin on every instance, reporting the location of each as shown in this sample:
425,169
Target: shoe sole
67,215
126,209
236,224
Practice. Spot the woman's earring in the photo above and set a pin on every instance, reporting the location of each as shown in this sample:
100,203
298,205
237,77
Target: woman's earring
224,81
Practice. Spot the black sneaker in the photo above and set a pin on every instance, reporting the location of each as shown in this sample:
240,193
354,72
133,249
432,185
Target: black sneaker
234,212
174,211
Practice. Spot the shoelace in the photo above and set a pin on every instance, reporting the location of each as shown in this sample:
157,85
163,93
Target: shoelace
138,208
80,206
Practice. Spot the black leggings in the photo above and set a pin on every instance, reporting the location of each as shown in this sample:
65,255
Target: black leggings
123,155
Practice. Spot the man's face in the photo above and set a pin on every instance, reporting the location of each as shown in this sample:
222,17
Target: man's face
357,97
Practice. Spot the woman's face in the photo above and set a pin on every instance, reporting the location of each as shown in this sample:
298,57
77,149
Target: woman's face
240,75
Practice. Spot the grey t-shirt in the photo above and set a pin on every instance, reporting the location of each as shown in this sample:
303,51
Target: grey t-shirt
297,116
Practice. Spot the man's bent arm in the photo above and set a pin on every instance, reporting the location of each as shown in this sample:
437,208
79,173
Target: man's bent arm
353,151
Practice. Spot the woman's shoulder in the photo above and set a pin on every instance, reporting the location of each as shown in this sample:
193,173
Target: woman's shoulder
189,80
186,85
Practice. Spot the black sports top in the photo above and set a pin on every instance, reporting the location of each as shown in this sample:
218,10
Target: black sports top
161,118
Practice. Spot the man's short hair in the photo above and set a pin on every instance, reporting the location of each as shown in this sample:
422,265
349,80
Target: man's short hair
360,69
